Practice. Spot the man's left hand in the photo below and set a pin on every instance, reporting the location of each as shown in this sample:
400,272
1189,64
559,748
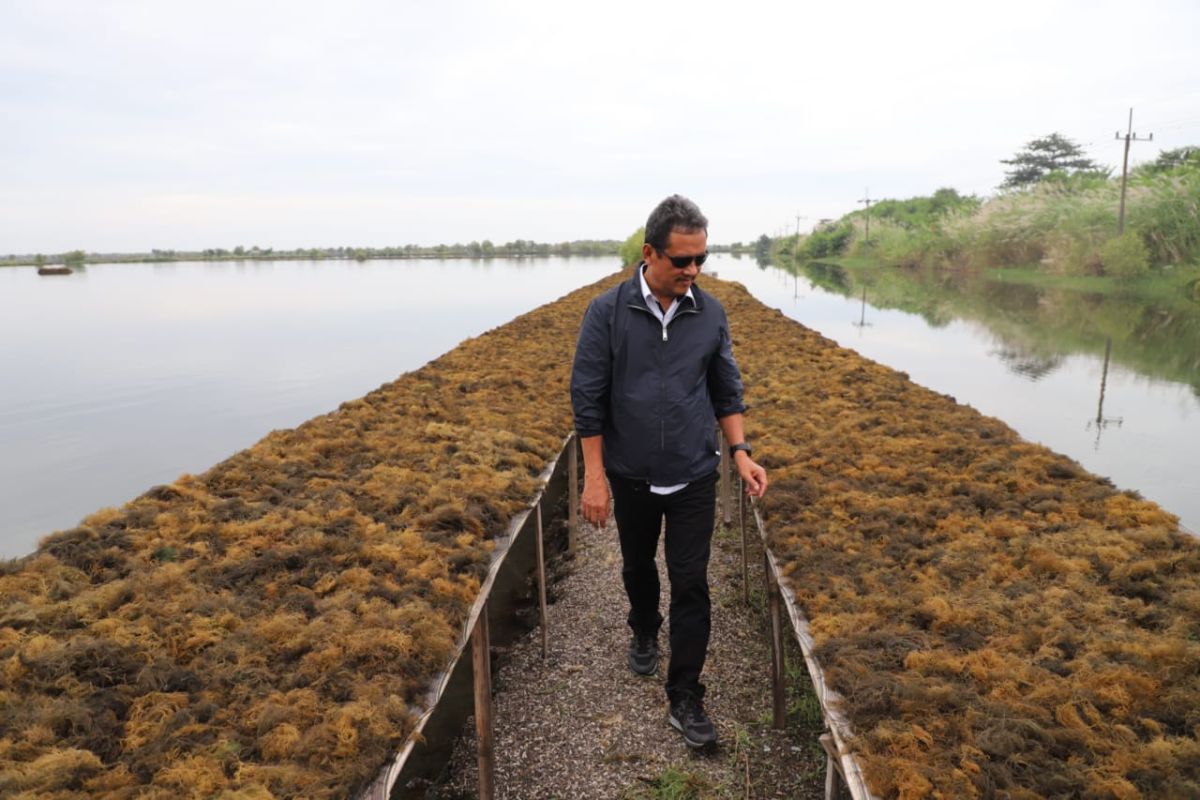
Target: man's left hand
754,477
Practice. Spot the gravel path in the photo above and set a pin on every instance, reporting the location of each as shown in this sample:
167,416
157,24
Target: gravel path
579,724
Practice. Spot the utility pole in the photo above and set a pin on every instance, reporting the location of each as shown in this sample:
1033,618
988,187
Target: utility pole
1130,136
866,201
796,247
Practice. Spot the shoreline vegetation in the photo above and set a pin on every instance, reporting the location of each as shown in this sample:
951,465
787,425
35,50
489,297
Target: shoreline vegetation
519,248
1062,226
997,619
1041,264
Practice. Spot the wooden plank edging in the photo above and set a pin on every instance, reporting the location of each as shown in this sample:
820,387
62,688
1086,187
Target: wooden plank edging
839,726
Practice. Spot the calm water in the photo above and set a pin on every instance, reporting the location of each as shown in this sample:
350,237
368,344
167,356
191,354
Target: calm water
124,376
1032,359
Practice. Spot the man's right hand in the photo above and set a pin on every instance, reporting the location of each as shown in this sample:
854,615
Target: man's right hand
595,500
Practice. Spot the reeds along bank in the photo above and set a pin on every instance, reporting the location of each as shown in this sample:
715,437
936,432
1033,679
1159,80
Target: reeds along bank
1062,227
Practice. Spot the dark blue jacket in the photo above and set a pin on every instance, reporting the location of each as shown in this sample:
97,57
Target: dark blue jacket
654,399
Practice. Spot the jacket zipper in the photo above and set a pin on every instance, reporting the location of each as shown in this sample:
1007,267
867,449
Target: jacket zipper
678,314
662,372
662,382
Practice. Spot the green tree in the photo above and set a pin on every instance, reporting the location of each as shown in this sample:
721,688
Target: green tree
1174,159
1044,156
39,260
631,250
75,258
762,248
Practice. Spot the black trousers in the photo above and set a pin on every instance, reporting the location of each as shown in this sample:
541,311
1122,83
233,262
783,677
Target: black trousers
689,514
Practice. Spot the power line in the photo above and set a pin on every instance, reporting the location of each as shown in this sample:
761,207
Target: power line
1181,126
1183,120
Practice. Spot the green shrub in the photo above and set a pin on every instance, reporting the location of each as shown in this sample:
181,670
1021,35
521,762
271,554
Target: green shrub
1125,256
921,212
829,240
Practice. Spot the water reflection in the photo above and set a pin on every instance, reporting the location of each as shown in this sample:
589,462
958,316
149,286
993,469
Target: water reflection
1026,364
1101,422
1112,380
862,317
1158,336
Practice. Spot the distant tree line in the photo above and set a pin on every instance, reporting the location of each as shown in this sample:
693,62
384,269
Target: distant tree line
518,248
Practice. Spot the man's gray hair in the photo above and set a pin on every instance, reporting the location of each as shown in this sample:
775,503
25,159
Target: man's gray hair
676,213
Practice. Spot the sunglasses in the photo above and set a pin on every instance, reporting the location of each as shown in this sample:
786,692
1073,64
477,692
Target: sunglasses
683,262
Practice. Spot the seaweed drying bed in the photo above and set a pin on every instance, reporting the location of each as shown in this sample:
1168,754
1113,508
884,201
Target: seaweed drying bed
998,621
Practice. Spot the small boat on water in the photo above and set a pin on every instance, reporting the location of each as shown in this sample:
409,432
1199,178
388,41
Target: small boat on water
54,270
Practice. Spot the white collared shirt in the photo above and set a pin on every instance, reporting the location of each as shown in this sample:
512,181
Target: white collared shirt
655,308
665,319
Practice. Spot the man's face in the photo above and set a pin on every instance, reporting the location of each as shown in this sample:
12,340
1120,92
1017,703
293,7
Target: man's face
663,277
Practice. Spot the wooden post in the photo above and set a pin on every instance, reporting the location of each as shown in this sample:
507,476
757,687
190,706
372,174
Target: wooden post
573,494
481,661
745,544
833,767
541,576
779,704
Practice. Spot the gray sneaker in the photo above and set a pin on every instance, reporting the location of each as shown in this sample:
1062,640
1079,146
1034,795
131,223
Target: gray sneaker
688,717
643,654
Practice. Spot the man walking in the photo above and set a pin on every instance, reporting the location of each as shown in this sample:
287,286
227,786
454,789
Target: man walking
653,369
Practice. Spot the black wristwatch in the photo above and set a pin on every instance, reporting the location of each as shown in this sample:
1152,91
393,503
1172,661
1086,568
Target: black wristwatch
745,448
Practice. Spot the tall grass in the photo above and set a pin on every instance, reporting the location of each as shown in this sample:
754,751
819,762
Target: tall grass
1167,215
1064,226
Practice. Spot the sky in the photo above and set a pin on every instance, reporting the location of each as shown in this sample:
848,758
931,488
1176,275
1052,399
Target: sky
129,126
